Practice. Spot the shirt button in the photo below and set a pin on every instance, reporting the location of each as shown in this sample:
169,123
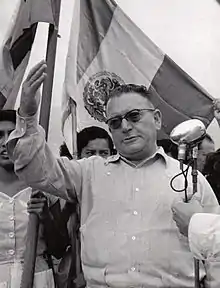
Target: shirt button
135,212
137,189
11,235
11,252
11,201
108,173
133,237
133,269
11,218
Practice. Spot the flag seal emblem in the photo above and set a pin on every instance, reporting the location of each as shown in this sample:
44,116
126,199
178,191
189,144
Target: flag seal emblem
96,93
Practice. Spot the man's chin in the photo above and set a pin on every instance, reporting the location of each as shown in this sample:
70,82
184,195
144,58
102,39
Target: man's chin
133,147
132,152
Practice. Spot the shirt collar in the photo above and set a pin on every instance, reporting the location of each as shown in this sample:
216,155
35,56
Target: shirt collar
160,152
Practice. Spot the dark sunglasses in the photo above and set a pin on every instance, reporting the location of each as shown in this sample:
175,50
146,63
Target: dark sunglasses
132,116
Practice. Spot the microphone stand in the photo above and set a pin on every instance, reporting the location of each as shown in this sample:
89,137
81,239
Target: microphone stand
189,133
193,149
194,181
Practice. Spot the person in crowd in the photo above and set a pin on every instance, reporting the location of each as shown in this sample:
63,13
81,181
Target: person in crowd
16,200
212,171
207,145
204,148
91,141
128,234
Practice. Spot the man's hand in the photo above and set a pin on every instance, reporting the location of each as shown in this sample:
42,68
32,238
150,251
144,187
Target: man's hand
38,205
216,106
182,213
30,96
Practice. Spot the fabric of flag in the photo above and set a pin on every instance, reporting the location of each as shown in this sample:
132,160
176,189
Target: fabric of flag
16,47
106,49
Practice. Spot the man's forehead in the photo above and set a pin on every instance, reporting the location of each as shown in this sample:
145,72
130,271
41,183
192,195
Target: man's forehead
126,102
98,143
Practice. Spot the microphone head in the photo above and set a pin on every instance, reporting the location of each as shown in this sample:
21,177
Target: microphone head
204,236
188,132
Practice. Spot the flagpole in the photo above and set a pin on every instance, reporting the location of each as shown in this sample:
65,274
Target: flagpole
50,59
74,128
33,223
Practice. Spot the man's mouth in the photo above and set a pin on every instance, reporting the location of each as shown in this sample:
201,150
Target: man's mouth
4,154
130,139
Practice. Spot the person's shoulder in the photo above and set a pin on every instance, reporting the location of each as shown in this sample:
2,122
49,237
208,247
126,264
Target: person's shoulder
168,160
91,159
172,160
172,163
91,162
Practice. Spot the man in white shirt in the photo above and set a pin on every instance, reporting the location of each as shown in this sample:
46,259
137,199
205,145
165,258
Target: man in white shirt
128,235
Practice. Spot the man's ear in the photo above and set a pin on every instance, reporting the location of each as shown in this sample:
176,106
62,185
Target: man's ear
158,119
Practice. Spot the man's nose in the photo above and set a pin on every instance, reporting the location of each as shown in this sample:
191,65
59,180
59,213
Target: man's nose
125,125
4,139
3,142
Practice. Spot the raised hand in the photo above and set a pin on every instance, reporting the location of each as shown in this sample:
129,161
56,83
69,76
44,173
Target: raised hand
30,96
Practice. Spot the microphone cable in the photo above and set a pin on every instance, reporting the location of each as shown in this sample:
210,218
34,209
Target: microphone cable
185,174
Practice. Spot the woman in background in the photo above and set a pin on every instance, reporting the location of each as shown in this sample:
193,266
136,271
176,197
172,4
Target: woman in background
212,172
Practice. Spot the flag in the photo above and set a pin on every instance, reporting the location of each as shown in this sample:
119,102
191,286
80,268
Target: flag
16,47
107,49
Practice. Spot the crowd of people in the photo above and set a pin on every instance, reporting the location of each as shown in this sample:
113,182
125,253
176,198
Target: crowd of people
110,217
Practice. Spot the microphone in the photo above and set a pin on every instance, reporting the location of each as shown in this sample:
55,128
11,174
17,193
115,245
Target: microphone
204,236
189,132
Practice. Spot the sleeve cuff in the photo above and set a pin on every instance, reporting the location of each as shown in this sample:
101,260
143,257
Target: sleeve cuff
24,126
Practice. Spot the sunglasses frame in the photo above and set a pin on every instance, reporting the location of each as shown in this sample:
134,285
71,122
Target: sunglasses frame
125,116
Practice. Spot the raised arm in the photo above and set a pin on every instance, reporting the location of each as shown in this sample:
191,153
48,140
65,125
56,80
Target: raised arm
33,160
